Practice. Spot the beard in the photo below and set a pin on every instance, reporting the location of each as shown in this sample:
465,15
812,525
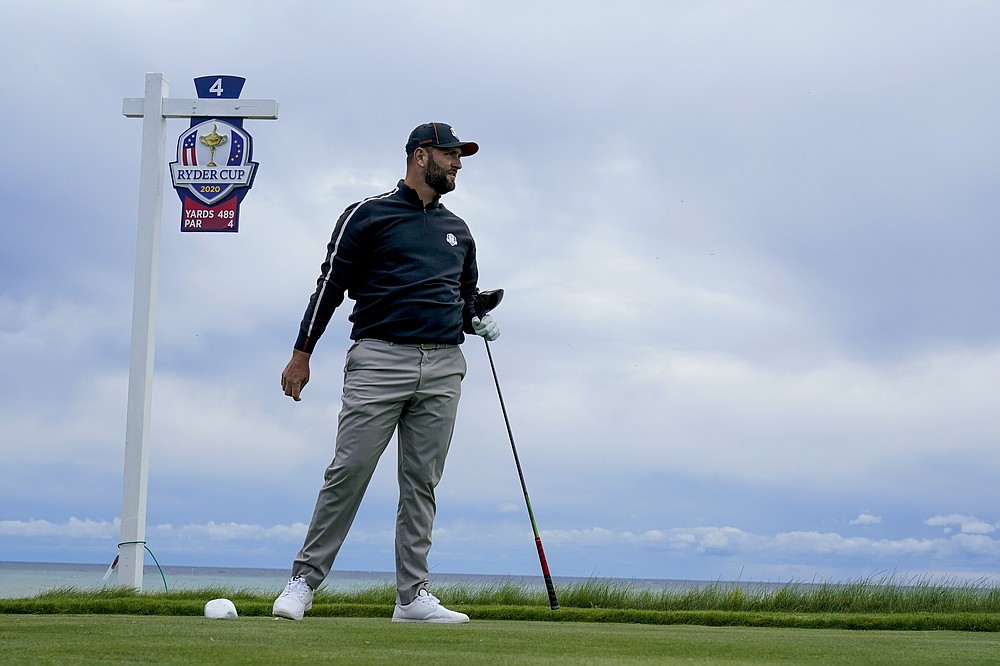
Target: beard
436,177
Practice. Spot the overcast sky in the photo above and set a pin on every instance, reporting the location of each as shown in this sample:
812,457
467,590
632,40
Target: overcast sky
751,327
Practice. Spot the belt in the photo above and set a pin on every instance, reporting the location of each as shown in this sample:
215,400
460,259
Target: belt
423,346
428,347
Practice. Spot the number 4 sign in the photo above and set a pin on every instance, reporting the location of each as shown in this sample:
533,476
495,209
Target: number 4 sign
214,170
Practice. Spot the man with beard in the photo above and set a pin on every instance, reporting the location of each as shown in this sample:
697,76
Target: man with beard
409,265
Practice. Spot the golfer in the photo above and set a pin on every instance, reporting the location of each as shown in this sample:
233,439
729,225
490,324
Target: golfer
409,265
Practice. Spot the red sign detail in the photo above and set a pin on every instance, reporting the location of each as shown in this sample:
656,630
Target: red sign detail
223,216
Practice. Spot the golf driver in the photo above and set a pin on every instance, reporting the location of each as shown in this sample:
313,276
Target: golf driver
483,303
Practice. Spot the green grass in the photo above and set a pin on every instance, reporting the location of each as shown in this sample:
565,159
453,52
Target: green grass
131,639
600,622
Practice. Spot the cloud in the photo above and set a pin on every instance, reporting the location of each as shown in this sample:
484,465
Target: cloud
757,554
966,524
74,528
865,518
213,531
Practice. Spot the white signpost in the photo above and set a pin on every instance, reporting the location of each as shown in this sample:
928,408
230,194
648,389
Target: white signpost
154,109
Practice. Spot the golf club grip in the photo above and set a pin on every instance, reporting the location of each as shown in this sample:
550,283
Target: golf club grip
549,587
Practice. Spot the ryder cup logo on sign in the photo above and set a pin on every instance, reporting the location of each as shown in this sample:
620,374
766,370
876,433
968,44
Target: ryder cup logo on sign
212,160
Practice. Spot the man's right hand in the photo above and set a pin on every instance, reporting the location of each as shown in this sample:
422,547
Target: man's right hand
295,376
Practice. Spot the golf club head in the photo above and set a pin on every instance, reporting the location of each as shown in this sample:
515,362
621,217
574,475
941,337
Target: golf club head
485,301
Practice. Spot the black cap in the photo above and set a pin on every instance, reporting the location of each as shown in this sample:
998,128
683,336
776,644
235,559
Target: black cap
439,135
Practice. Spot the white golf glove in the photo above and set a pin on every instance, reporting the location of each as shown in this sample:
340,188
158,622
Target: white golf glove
486,327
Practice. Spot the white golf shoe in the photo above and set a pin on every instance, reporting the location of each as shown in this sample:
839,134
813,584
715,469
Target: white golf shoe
294,601
426,608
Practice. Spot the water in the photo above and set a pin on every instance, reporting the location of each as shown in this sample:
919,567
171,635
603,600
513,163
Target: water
27,579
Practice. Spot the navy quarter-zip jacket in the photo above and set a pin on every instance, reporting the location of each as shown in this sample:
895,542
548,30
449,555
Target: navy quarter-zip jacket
410,270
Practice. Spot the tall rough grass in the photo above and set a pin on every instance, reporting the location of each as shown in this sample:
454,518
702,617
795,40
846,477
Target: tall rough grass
888,595
914,603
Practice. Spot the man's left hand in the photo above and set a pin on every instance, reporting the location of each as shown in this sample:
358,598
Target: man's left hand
487,327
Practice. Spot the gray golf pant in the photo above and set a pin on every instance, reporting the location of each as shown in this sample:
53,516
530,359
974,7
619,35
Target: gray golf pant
412,389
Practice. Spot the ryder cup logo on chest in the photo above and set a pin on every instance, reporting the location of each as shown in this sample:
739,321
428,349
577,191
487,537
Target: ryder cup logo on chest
213,159
450,238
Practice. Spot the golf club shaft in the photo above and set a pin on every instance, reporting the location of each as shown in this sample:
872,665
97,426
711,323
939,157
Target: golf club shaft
553,601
